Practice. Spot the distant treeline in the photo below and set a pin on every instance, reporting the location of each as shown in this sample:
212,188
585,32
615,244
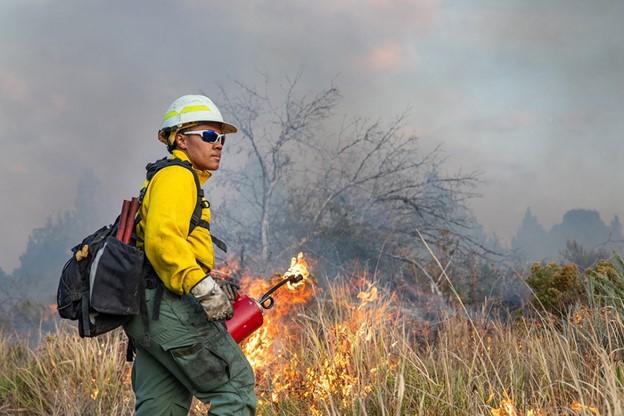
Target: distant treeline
580,231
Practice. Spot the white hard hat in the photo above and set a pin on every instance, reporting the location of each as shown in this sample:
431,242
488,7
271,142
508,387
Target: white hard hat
193,109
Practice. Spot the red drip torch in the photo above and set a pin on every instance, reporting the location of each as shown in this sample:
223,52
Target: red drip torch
248,312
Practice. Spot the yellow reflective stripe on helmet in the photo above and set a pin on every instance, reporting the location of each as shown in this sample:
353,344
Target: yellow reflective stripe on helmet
193,108
187,109
170,114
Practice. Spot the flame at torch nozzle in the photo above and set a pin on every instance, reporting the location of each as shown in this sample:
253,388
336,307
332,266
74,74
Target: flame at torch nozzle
294,277
248,312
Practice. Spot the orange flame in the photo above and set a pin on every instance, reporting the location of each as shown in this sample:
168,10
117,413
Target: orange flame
264,348
286,372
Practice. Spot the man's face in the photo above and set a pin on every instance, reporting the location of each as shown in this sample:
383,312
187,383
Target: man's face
203,156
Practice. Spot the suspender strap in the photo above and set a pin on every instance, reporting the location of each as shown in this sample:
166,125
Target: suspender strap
196,217
145,321
216,240
160,289
219,243
144,317
153,282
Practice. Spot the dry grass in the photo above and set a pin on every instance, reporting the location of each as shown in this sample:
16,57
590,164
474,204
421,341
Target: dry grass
65,375
357,352
370,359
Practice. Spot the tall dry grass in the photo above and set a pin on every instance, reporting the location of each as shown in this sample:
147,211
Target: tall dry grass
64,375
372,359
361,352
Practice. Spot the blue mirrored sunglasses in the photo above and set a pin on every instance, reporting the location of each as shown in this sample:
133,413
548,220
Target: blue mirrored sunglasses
209,136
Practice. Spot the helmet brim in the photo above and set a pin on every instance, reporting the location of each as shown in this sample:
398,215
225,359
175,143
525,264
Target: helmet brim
228,128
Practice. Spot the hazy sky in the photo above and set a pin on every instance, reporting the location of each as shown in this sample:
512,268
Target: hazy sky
530,93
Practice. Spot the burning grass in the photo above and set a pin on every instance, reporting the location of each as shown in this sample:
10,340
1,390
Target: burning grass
354,348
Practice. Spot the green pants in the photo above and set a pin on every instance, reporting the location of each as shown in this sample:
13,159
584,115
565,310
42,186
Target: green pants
188,356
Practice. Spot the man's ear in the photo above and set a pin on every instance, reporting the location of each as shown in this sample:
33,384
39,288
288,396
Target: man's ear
180,140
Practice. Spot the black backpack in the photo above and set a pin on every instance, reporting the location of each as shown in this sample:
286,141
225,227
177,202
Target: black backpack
102,284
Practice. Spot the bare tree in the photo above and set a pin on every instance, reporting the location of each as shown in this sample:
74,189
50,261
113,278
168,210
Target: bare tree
272,144
298,177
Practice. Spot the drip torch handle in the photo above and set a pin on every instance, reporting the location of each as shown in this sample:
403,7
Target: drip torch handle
266,301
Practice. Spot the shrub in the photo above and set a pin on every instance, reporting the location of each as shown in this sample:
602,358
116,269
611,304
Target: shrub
606,283
556,287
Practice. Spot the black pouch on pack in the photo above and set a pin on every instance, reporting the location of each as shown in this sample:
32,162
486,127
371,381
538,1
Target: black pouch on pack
115,278
101,284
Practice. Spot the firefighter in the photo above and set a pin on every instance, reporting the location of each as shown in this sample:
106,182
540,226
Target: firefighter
187,351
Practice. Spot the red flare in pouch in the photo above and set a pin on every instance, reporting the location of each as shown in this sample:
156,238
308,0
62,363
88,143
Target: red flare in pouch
123,217
134,208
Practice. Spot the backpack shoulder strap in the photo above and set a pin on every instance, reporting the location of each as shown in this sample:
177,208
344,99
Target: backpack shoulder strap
155,167
196,220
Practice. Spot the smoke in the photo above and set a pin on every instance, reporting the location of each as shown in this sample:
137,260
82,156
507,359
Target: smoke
528,93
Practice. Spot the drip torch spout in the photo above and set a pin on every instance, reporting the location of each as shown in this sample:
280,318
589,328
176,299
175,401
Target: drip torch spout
267,301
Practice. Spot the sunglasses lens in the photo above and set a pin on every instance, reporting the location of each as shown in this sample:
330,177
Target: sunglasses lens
209,136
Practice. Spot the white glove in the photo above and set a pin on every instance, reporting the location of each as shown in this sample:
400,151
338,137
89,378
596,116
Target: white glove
212,299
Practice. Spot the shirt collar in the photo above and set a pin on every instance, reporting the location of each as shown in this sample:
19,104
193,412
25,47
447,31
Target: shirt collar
203,175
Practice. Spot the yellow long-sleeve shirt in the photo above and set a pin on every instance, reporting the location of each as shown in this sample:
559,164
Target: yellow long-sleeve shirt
180,259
